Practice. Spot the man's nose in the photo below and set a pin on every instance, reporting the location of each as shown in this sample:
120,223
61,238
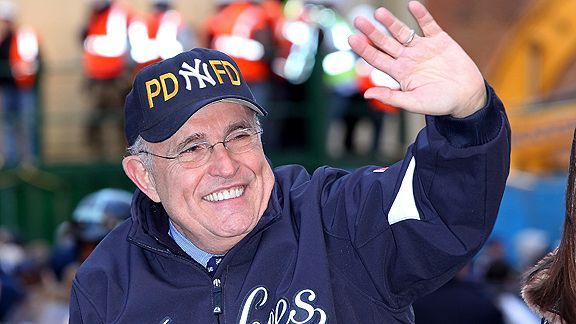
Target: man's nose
222,162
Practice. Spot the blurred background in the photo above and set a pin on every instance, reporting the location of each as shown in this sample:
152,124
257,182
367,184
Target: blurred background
66,65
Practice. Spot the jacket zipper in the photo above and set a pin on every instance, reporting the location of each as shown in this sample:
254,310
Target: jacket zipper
216,282
217,298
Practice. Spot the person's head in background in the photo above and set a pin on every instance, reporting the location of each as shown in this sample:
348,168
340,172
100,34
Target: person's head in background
95,216
550,286
7,16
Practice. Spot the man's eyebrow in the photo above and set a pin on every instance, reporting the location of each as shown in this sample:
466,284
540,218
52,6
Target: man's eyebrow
201,137
241,124
196,137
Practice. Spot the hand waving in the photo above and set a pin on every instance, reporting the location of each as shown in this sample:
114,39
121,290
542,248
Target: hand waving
436,75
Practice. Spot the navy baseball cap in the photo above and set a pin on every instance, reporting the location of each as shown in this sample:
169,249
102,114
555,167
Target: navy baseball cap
164,95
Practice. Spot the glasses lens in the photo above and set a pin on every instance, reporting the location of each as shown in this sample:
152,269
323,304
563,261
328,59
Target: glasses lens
241,141
195,154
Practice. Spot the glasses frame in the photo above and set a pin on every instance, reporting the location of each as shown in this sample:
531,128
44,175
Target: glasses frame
210,148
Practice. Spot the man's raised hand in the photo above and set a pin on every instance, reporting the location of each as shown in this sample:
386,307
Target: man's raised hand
436,75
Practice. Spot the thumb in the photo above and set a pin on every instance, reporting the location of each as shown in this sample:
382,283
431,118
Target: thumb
396,98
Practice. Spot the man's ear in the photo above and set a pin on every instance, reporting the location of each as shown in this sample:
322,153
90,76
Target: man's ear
137,172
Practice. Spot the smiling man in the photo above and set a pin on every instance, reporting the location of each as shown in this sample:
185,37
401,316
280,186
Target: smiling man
225,198
218,236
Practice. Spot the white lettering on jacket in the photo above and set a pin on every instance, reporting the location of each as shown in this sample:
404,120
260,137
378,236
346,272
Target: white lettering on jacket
303,312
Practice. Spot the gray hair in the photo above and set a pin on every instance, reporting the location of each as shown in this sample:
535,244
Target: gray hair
139,146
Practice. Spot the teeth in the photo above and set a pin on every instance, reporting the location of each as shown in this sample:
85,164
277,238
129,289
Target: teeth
225,194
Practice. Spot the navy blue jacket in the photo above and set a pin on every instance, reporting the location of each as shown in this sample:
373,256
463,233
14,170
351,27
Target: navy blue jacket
332,247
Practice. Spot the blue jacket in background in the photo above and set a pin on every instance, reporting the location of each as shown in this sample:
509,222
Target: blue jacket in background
332,247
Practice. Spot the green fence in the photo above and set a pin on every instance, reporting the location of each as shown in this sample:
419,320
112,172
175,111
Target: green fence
34,201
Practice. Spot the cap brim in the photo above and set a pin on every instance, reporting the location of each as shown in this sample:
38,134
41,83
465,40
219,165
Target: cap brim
243,102
172,123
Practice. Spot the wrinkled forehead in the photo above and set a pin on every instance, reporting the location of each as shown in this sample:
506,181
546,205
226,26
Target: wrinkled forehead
215,121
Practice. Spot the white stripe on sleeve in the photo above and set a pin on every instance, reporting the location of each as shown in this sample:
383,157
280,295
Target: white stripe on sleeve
404,205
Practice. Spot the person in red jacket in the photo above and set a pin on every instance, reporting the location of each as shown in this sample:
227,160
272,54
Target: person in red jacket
245,30
159,35
19,69
105,46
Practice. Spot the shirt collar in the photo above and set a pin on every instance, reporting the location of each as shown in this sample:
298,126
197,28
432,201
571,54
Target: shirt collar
185,244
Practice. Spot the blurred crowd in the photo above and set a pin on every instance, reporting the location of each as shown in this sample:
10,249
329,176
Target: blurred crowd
281,47
36,277
487,290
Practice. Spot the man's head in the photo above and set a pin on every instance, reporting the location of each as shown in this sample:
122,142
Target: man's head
194,137
96,215
7,17
98,5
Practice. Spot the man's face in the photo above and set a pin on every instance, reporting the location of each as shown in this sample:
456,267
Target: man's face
190,195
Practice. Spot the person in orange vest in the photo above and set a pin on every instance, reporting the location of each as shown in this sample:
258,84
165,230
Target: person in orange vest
19,69
106,67
245,31
159,35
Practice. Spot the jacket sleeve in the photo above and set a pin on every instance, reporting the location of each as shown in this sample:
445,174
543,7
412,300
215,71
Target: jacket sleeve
413,225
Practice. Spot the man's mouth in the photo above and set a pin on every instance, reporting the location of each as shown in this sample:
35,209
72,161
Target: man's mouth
224,194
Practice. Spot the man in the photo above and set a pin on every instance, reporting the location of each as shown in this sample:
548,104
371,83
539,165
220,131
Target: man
160,34
20,64
105,51
218,236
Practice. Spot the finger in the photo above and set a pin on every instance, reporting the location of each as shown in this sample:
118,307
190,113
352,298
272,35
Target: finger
379,39
424,18
399,30
396,98
375,57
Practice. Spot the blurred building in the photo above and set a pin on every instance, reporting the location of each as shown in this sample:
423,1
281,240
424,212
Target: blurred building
532,66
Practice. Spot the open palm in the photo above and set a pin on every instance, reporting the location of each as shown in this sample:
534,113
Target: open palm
436,75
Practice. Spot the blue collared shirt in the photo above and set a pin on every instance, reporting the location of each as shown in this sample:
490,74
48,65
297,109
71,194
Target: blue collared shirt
192,250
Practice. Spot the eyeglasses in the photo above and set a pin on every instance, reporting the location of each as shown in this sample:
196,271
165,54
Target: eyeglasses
238,141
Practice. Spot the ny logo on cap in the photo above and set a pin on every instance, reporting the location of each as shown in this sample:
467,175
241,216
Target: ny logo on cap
220,68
